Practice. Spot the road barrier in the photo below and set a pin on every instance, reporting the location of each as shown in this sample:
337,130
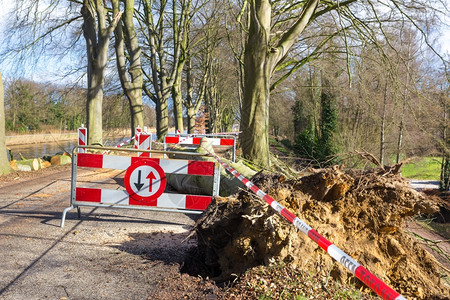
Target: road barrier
195,140
82,138
145,182
143,141
369,279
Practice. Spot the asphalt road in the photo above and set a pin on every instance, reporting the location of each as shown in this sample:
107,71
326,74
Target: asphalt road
108,254
419,184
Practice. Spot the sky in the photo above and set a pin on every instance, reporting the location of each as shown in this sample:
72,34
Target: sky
45,71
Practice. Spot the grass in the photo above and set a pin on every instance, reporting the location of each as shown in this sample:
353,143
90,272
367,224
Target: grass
280,147
427,168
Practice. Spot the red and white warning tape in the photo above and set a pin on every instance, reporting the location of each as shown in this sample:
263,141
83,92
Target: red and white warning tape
340,256
226,133
120,145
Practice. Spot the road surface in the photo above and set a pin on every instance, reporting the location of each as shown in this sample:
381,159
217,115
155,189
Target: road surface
108,254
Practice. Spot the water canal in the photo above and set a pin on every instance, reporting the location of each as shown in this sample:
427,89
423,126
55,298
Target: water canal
37,150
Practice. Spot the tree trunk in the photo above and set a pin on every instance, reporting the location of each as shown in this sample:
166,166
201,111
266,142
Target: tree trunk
94,107
178,103
191,119
28,164
126,36
383,125
444,183
164,119
97,36
403,112
255,105
5,168
255,114
260,60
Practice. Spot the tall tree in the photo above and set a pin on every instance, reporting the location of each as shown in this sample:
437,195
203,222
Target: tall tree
260,60
201,48
4,165
164,28
130,73
445,145
328,122
275,27
97,33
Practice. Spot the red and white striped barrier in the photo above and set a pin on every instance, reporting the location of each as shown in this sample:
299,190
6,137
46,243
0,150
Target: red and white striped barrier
145,183
82,138
192,140
118,197
171,166
369,279
143,140
228,141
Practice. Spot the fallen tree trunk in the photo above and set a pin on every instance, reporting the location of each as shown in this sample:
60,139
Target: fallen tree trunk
189,184
28,164
60,160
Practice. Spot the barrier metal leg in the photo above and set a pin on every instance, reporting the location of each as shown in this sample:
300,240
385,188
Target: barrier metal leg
63,218
79,212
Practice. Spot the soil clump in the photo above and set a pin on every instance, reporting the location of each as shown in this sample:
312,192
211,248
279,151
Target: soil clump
362,212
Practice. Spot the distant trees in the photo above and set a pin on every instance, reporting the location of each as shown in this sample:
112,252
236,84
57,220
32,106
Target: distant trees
315,129
31,106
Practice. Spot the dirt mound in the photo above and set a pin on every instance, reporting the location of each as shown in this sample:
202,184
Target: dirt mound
363,213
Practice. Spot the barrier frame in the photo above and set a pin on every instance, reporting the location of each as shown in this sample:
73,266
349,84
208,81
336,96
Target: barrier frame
210,136
77,204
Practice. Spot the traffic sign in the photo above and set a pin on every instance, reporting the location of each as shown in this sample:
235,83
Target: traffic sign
145,181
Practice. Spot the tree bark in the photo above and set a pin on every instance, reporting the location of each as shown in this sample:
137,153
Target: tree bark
260,60
403,112
178,103
5,168
383,126
97,35
444,182
131,79
255,106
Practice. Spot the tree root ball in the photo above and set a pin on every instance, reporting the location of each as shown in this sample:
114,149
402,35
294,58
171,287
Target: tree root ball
363,213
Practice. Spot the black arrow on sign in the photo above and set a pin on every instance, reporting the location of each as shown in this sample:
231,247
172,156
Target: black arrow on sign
139,185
